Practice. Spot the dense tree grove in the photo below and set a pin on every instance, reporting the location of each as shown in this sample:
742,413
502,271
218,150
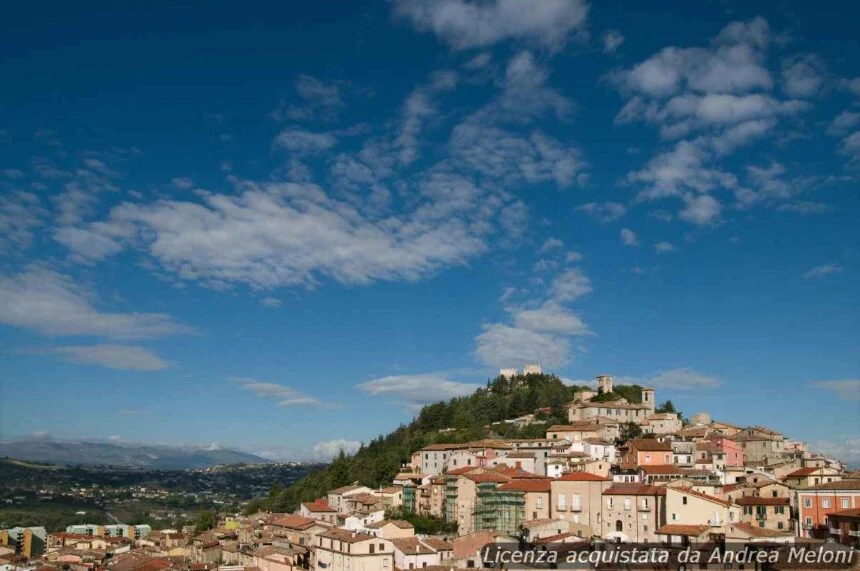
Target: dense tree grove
377,462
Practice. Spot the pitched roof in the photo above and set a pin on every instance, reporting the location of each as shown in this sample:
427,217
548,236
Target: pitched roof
801,472
582,477
634,490
849,485
411,546
759,501
345,535
537,522
438,544
293,522
401,523
692,492
318,506
757,531
344,489
487,477
679,529
526,485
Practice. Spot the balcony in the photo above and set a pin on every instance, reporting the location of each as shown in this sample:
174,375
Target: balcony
576,508
835,531
854,532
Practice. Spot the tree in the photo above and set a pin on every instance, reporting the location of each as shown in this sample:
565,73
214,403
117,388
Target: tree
205,520
628,431
668,406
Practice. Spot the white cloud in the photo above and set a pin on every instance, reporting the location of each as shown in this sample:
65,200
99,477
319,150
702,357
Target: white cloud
540,332
182,183
603,211
417,390
733,63
122,357
628,237
279,394
288,234
502,346
823,270
572,256
463,24
701,210
677,379
612,40
847,450
21,213
803,76
53,304
570,285
271,302
663,247
550,317
847,389
319,100
551,244
844,122
418,108
304,141
328,450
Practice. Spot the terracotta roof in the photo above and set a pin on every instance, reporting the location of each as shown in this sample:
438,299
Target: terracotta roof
526,485
438,544
461,471
757,531
411,546
851,485
759,501
661,469
687,530
582,477
649,445
515,473
553,538
345,535
634,490
521,455
487,477
293,522
801,472
319,506
401,523
692,492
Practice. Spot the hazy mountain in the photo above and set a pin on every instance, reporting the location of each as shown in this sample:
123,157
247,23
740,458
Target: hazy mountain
135,455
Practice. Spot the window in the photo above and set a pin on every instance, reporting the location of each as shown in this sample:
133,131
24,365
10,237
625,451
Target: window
372,550
684,500
807,502
576,502
645,528
627,503
647,457
562,502
808,520
845,503
674,517
619,526
539,502
779,525
825,502
609,503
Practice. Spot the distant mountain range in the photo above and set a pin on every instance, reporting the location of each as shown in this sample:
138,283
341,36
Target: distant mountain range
91,453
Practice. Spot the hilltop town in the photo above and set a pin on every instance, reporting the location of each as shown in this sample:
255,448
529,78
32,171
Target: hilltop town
619,469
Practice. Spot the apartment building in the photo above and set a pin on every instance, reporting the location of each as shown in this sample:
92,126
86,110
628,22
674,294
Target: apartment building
576,498
632,512
769,513
341,550
815,503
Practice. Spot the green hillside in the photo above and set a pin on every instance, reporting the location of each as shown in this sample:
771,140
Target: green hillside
473,416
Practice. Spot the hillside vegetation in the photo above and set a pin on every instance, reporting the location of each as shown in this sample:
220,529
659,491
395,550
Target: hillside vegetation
472,417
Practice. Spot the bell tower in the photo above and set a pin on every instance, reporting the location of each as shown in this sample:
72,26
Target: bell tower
648,398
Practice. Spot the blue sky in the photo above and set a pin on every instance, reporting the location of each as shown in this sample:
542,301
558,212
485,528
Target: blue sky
285,226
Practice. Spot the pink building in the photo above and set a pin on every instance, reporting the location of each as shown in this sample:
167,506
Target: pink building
733,450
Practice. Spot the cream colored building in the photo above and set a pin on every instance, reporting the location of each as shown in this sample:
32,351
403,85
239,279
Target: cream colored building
342,550
688,507
575,498
633,512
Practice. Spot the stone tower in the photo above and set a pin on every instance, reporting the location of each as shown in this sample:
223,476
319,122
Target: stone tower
648,398
604,384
